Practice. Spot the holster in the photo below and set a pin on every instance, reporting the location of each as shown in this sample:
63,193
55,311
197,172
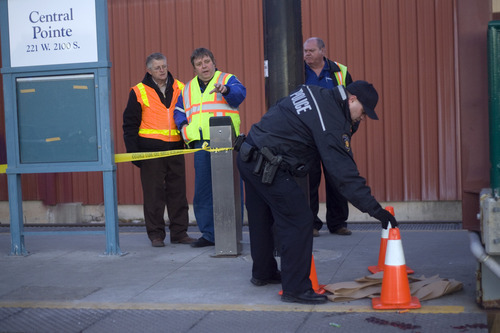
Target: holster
239,141
271,165
246,152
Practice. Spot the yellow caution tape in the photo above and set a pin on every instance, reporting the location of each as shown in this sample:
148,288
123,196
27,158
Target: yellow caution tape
129,157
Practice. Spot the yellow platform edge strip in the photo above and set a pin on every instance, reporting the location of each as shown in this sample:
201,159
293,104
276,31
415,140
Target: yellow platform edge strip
435,309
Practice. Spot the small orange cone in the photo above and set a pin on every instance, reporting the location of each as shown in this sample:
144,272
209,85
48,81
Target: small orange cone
383,247
318,289
395,293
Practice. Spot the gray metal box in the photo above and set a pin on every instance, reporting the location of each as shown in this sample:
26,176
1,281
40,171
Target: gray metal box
490,223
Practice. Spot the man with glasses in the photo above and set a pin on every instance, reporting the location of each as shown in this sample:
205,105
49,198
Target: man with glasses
148,125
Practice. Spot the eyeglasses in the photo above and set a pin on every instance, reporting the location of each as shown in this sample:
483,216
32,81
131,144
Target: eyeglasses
159,68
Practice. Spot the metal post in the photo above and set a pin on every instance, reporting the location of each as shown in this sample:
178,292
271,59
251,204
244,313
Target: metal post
283,53
111,214
494,105
16,215
225,188
282,48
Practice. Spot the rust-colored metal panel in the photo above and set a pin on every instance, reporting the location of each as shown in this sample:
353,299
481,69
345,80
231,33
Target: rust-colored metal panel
409,108
252,73
429,143
390,111
472,26
427,97
448,133
373,56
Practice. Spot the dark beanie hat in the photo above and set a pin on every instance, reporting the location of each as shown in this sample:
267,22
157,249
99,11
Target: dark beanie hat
367,96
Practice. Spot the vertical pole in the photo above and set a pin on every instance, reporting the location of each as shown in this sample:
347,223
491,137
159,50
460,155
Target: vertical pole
283,55
111,213
109,172
225,188
282,48
494,105
16,215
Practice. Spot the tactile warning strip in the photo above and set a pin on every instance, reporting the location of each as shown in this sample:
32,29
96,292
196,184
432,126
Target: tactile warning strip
42,320
360,226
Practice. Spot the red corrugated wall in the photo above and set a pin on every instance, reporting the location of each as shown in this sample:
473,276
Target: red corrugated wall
406,48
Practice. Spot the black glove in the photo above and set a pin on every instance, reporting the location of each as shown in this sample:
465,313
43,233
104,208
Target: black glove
385,217
137,163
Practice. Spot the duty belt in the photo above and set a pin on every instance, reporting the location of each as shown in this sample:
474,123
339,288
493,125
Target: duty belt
267,163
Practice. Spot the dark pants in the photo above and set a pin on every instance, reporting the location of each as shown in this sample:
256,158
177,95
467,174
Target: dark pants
281,208
164,183
203,202
337,208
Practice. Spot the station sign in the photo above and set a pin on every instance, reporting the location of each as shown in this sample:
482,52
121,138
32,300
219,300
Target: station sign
52,32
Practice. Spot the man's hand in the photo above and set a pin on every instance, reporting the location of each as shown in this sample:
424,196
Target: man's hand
219,88
182,133
385,217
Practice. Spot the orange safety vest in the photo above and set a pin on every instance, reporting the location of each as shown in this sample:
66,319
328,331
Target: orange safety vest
158,120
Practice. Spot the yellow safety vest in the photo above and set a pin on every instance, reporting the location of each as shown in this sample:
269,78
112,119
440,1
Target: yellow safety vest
200,107
340,75
158,120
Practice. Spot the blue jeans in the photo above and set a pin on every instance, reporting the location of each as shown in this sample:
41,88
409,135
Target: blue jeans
203,199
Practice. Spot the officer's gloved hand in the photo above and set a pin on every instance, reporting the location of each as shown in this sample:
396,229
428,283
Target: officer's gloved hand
385,217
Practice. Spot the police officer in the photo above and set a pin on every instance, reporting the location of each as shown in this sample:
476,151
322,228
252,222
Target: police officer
311,123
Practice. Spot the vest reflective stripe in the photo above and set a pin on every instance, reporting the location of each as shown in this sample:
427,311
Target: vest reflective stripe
158,120
162,132
144,95
341,75
200,107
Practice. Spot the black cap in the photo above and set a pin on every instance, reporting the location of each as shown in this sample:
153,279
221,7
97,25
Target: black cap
367,96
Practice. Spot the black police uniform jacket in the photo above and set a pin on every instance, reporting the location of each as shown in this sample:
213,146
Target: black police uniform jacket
311,123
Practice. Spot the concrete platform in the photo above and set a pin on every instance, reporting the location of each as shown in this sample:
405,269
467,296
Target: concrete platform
67,284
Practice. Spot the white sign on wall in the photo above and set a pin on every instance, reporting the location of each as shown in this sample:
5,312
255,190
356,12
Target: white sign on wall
52,32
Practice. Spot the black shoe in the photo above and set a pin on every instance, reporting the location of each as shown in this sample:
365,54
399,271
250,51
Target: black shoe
202,242
276,279
307,297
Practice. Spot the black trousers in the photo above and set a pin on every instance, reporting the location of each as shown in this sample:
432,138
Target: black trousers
281,208
164,183
337,208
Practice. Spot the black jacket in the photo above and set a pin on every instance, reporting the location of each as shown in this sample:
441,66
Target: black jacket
132,118
311,123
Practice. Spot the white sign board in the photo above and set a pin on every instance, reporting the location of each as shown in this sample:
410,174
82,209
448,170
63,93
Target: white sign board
51,32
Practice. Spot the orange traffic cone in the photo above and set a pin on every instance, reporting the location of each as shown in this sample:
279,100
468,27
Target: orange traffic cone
383,247
395,293
318,289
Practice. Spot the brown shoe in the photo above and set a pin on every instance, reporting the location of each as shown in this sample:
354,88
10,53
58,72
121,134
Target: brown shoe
315,232
184,240
342,231
157,243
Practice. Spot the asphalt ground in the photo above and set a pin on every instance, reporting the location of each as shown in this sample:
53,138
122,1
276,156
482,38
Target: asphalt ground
68,284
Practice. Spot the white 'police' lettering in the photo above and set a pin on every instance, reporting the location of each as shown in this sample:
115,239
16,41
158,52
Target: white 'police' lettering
300,102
